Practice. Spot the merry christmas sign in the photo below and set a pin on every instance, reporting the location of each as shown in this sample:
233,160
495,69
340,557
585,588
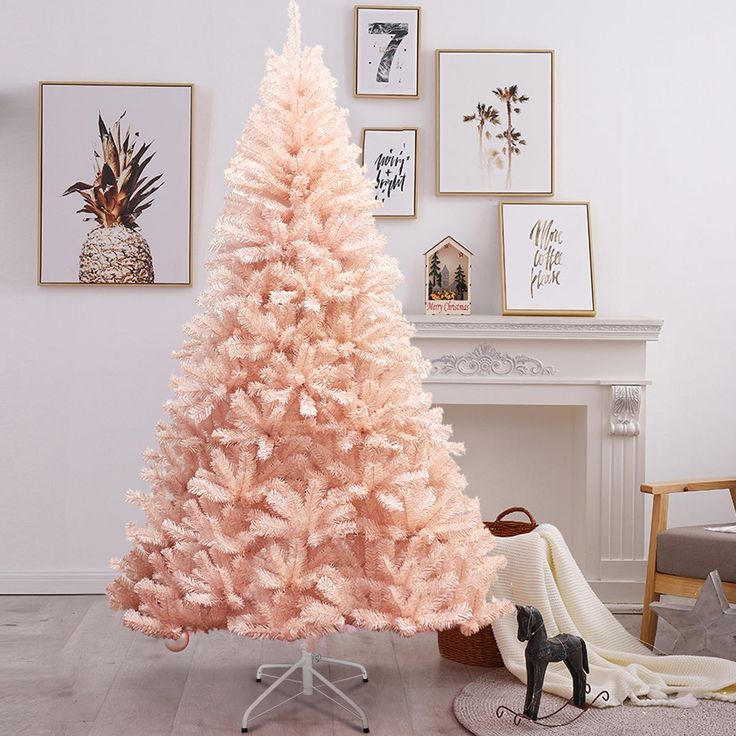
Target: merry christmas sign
447,278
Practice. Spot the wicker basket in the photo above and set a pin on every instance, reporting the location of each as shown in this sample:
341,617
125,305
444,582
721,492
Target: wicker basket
503,528
480,649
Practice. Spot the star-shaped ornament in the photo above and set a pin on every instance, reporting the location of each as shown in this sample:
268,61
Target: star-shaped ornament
708,627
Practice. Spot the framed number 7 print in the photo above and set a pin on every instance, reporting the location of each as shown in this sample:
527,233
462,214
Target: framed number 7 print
387,47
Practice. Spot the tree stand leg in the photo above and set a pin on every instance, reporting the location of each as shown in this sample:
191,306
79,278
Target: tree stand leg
259,673
308,674
347,663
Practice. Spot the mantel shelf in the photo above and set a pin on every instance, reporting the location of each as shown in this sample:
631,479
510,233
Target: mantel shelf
538,328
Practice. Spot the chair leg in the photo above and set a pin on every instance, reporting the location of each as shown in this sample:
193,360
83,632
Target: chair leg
660,505
649,620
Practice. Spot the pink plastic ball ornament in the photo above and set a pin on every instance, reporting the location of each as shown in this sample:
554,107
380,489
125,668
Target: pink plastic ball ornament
178,645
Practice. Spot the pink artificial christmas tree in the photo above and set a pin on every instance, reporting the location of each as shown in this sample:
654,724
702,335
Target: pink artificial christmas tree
303,482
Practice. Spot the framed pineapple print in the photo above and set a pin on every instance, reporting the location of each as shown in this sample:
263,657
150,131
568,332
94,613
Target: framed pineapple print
387,49
546,259
390,159
495,122
114,183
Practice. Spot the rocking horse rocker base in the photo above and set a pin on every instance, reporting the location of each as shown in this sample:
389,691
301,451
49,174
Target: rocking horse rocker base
519,717
305,666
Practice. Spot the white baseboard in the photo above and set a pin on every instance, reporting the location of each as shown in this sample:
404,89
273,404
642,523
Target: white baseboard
54,582
635,608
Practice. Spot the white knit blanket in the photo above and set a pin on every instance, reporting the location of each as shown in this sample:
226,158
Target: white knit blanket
541,572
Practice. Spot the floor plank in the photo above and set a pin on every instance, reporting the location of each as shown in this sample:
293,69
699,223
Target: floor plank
36,680
145,694
221,682
430,684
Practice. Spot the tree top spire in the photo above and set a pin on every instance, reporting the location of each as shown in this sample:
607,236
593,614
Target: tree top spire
294,37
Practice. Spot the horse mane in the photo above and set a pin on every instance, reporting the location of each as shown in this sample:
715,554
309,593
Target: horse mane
531,619
535,622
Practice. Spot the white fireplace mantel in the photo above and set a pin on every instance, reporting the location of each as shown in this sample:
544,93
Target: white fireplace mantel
595,364
547,328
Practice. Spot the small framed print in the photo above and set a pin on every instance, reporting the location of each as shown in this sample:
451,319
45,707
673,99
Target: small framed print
390,158
115,183
494,122
546,259
387,47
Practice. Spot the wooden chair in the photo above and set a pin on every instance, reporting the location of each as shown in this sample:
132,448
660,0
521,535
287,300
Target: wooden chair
688,545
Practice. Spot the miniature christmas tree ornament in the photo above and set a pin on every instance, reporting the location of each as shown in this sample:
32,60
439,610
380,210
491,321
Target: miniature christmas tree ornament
303,482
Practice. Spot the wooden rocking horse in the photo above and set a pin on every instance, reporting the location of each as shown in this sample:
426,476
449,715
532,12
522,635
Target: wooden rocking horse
540,651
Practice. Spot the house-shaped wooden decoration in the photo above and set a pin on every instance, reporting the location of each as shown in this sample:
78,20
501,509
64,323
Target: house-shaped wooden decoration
447,278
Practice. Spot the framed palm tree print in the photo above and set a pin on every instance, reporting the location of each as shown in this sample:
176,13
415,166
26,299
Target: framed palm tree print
114,183
495,129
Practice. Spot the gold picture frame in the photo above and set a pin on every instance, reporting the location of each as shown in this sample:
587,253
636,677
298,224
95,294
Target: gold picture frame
400,129
538,192
545,312
356,21
190,150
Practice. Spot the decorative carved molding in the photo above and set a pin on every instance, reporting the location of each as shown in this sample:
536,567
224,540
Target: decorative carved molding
485,360
625,408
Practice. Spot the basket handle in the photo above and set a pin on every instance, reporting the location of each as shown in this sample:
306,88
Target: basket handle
520,509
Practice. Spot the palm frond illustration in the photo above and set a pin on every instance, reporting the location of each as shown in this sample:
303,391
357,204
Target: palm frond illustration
512,139
484,117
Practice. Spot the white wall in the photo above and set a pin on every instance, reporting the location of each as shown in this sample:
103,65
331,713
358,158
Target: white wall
528,456
645,121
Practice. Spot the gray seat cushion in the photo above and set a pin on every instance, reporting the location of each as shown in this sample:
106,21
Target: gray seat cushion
693,551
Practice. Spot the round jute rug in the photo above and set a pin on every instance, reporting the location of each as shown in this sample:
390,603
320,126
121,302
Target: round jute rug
475,708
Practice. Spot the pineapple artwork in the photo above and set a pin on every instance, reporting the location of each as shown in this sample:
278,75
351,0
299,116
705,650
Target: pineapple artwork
115,252
303,483
447,278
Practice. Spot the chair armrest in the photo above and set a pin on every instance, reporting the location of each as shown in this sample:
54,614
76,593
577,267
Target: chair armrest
685,486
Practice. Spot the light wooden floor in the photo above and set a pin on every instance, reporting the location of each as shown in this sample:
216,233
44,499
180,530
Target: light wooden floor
68,667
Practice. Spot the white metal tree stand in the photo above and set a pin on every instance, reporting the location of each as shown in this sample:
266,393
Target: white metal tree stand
308,674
